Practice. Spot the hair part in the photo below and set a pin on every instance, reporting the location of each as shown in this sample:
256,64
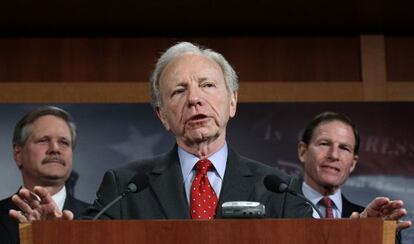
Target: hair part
23,128
183,48
329,117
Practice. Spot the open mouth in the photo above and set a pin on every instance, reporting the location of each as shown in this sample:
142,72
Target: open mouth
197,118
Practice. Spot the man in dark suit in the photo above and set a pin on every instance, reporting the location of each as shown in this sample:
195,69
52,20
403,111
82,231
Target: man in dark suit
329,151
194,93
43,141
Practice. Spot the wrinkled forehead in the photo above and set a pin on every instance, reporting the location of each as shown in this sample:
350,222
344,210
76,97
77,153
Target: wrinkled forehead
191,66
50,124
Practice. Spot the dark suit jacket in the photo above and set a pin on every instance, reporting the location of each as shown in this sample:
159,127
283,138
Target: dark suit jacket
349,207
165,198
9,230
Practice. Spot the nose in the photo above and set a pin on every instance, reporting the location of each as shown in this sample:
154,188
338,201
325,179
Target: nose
334,152
194,96
53,147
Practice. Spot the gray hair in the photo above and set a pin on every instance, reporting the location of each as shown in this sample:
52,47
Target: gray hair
180,49
22,129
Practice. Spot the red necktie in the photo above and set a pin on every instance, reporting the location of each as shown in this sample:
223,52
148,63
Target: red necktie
327,202
203,199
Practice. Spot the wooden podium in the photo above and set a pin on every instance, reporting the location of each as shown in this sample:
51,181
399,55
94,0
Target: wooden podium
221,231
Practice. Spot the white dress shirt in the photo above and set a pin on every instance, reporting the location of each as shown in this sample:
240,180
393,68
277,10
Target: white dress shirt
60,197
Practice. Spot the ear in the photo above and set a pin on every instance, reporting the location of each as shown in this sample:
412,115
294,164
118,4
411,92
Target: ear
17,155
354,163
302,149
233,104
161,115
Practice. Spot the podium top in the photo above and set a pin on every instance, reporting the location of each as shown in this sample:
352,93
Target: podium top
223,231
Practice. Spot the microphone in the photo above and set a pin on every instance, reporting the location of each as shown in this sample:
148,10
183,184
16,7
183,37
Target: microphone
275,184
138,183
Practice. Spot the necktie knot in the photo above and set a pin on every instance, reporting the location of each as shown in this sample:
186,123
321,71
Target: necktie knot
203,166
327,202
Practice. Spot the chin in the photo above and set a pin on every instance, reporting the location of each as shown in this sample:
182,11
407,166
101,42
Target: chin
198,139
329,183
199,136
55,177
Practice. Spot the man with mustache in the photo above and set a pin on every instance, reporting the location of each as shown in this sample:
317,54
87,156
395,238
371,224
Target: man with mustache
43,141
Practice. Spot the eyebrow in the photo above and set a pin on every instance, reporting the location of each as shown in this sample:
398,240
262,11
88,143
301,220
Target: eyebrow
199,80
347,145
202,79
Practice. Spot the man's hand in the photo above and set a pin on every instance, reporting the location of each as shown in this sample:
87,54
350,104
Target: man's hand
37,205
383,207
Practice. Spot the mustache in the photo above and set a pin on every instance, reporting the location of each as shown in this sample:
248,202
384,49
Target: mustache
54,158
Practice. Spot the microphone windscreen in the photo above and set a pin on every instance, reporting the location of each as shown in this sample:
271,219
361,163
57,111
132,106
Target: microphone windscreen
138,183
274,183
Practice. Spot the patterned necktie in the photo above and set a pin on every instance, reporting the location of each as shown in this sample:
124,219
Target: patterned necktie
203,199
327,203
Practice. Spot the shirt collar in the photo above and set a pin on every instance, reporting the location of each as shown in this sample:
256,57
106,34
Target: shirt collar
218,159
315,196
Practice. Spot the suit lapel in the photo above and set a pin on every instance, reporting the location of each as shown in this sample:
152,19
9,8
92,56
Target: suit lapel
237,184
167,183
71,204
349,207
68,204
